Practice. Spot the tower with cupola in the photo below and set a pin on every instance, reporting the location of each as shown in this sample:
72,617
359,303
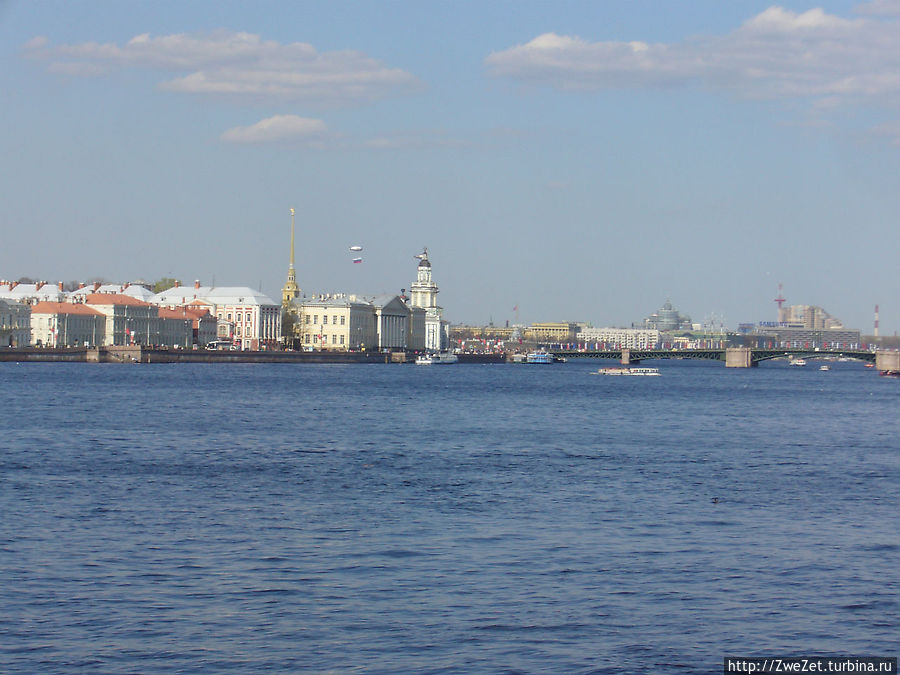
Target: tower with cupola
423,293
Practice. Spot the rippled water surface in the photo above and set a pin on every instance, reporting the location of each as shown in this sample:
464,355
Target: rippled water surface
395,518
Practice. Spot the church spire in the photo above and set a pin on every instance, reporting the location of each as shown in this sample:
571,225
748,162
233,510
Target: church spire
290,290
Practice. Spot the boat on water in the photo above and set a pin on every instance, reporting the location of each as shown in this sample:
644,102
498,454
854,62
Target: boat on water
539,357
797,362
640,372
826,367
436,358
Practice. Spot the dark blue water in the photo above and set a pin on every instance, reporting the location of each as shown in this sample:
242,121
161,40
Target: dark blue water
387,518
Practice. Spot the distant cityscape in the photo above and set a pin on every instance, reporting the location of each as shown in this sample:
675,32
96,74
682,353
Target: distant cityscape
169,314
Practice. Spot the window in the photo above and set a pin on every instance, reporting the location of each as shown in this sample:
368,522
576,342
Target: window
324,319
334,320
315,318
308,317
229,316
342,339
334,339
343,318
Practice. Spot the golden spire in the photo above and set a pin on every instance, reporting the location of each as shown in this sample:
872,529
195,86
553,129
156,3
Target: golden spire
290,290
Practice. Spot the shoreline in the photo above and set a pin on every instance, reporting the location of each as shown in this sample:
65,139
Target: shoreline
138,354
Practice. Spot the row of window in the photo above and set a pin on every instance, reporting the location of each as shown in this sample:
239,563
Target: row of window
334,319
315,339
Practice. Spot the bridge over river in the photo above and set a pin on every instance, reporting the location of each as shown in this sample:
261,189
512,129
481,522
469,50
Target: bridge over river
734,357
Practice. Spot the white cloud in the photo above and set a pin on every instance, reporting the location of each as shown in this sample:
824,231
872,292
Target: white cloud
280,128
240,65
776,54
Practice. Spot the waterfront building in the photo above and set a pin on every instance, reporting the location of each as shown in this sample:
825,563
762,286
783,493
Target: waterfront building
423,294
255,318
800,337
15,324
335,322
415,339
667,318
391,321
186,326
291,290
129,321
66,324
619,338
552,332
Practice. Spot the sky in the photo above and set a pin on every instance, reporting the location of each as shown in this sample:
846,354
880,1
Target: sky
561,161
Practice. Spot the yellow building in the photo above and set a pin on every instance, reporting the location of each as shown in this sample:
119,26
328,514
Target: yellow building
551,332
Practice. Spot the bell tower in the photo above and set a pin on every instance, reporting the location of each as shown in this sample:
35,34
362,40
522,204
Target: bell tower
290,290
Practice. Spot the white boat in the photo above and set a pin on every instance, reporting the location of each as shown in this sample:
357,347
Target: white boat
641,372
539,357
797,362
436,358
825,367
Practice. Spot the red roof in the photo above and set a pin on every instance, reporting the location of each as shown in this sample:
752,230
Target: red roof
45,307
114,299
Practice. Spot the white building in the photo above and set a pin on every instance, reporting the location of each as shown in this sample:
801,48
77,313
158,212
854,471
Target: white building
66,324
15,324
423,293
619,338
254,317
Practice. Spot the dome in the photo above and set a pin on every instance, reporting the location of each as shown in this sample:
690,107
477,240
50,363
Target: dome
424,263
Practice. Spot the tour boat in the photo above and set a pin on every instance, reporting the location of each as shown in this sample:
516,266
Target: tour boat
643,372
539,357
797,362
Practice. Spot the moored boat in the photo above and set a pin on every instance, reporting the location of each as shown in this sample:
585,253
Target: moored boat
539,357
436,358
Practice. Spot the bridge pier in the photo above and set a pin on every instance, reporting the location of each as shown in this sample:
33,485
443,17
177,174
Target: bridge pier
887,362
739,357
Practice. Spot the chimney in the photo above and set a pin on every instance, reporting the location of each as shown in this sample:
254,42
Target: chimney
13,284
39,285
127,284
60,287
196,283
96,286
81,285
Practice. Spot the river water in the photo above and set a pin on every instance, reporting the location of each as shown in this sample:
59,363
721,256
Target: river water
472,518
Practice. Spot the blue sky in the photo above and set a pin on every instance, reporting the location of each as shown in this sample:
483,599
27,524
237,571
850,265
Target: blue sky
582,161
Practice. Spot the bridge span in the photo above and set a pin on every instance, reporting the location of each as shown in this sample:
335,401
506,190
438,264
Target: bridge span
733,357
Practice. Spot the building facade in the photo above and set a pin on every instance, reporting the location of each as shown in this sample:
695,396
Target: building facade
15,324
66,324
335,323
551,332
619,338
254,317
